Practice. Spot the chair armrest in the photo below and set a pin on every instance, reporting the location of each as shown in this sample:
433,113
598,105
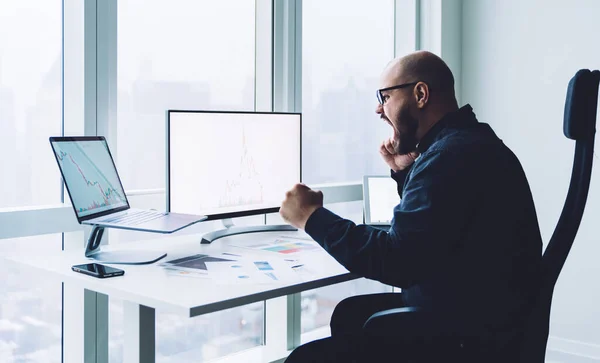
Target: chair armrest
411,324
407,321
414,324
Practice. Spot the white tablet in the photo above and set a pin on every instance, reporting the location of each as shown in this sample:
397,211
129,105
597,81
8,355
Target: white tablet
380,196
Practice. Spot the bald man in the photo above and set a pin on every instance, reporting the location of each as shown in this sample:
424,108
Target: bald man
464,241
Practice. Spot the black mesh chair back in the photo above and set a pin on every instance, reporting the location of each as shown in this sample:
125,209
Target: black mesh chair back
579,125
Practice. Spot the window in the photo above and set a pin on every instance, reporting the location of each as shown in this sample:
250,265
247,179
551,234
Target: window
200,339
184,54
345,46
209,336
30,100
30,112
30,305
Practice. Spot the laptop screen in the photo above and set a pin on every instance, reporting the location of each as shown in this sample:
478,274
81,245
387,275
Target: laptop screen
90,175
380,195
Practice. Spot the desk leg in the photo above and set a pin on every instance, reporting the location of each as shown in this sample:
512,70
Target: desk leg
294,311
95,327
140,333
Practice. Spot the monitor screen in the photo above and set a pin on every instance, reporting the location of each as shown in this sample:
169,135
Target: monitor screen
230,164
89,174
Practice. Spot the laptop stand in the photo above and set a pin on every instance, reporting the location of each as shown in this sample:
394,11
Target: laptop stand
131,257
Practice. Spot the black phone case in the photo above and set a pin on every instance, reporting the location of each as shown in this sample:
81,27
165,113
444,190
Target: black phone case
85,272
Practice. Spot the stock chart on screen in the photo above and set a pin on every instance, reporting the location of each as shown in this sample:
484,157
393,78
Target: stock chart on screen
90,176
231,162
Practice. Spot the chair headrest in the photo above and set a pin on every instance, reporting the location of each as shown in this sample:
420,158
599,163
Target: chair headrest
581,105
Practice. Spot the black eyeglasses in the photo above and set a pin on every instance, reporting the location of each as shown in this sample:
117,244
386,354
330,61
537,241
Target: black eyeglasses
380,94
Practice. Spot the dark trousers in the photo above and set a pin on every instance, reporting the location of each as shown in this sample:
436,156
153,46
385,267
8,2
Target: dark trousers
347,342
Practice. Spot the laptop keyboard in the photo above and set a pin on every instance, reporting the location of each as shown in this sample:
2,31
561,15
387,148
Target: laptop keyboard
135,218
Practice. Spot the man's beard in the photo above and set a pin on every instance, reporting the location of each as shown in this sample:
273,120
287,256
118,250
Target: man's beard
407,138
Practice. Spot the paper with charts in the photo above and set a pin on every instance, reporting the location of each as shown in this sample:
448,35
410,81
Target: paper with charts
284,245
194,265
255,271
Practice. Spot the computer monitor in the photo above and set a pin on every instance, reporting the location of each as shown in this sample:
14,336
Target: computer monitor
232,164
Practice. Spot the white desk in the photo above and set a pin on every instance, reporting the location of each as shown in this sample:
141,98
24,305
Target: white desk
145,288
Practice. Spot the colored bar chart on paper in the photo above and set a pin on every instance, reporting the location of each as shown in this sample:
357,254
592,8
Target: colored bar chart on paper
284,245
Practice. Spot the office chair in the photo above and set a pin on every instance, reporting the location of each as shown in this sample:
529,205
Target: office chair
579,125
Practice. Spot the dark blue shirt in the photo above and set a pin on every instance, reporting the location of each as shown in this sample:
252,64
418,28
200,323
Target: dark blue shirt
465,237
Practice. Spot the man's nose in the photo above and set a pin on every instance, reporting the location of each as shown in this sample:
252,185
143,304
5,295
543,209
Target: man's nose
379,109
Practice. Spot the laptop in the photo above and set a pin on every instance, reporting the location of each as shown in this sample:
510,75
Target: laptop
96,192
380,196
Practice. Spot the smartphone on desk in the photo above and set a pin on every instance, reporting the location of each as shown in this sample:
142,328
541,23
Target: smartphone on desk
98,270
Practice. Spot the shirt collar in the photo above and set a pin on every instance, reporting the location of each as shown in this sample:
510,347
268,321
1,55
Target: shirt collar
462,117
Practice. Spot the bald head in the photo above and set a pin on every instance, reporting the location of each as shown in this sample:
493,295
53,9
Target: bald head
425,67
416,92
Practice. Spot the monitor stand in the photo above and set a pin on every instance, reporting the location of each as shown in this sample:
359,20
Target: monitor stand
93,250
231,230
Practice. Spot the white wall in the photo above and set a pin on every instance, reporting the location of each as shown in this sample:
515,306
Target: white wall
517,59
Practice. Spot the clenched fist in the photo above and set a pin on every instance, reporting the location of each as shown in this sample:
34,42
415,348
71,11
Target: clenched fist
300,202
395,160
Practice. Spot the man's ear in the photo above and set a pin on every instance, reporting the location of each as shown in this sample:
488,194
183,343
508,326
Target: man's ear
421,93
